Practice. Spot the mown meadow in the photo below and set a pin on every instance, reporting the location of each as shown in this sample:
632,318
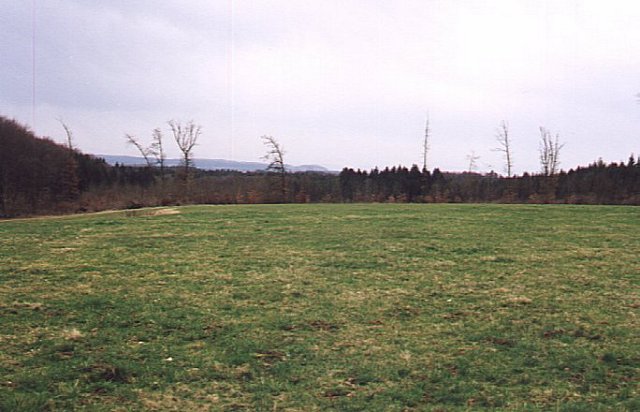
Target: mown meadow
376,307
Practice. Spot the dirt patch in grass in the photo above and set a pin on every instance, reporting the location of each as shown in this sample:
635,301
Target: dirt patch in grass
182,398
103,372
164,212
72,334
28,305
520,300
324,325
151,212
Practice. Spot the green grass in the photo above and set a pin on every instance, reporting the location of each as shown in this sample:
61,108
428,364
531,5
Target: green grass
323,307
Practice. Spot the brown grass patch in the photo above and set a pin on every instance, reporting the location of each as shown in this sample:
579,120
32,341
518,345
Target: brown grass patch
72,334
28,305
164,212
151,212
520,300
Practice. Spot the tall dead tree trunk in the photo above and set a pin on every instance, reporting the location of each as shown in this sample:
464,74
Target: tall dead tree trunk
425,145
68,133
157,150
70,182
504,141
473,161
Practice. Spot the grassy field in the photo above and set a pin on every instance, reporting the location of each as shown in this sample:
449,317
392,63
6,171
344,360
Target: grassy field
323,307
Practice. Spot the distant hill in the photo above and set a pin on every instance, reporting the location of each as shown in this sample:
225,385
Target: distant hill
212,164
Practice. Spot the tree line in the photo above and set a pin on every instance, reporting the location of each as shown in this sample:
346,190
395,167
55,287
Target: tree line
598,183
39,176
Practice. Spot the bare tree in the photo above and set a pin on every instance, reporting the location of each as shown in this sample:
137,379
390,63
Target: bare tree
473,161
154,153
69,181
186,137
144,151
68,132
275,157
549,152
425,145
157,150
504,141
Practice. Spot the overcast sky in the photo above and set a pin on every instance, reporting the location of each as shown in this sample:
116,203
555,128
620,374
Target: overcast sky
337,82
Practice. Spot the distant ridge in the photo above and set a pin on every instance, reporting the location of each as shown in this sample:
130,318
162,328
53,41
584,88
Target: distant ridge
211,164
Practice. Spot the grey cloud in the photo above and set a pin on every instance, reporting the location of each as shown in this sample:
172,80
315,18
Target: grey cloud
337,81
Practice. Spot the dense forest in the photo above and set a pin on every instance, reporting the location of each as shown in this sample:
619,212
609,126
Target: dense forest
598,183
39,176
